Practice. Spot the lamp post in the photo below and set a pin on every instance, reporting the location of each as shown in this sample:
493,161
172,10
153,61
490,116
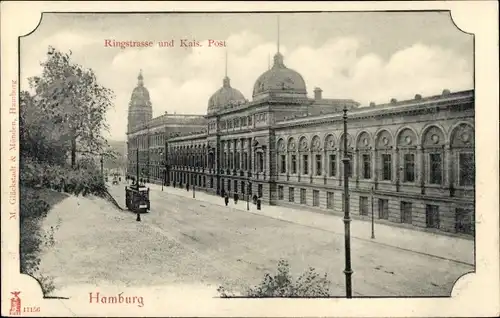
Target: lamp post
162,170
248,195
373,225
347,218
138,219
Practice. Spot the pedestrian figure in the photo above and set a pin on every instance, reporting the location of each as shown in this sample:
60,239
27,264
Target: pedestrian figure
187,187
62,185
254,198
174,184
226,198
236,198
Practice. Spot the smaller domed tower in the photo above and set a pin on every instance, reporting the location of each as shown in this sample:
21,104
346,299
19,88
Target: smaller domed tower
140,110
224,97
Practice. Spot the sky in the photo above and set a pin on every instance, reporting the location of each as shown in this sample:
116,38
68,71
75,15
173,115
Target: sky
364,56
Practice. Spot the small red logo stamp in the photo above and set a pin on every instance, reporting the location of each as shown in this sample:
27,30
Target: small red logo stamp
15,303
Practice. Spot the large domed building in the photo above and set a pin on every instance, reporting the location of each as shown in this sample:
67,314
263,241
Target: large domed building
224,98
280,80
409,158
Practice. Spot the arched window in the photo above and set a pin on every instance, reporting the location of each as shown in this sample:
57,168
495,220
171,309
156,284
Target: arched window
407,149
281,160
292,155
304,153
462,148
331,155
363,150
317,156
384,144
349,153
433,143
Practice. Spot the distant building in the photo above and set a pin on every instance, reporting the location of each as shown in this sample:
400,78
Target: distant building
417,155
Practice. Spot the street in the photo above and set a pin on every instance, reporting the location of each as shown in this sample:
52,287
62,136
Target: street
188,241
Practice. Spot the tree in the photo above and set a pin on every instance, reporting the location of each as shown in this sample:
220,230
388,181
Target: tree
40,138
70,96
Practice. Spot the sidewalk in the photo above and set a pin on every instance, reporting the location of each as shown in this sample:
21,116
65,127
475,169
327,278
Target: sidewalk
442,246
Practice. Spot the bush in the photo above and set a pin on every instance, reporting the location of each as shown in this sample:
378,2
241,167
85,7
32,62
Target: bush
32,238
85,180
32,212
46,282
282,284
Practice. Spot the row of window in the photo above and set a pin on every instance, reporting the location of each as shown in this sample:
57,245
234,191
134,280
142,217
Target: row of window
466,167
142,142
235,122
234,186
464,218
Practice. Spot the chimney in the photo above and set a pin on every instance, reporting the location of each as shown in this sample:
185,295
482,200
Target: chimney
418,96
446,92
317,93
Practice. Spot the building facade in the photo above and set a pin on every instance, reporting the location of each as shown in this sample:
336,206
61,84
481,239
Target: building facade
411,161
147,136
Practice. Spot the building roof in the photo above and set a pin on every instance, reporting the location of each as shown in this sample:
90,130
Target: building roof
224,97
140,94
280,79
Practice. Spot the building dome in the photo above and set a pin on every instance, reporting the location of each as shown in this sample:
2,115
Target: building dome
140,110
281,80
224,98
140,93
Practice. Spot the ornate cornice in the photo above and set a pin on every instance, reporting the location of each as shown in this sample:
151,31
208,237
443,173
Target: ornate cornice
413,107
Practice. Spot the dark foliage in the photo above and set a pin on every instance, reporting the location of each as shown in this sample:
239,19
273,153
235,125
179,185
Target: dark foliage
282,284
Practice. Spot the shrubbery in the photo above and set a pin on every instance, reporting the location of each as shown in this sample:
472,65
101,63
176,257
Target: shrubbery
84,180
32,211
282,284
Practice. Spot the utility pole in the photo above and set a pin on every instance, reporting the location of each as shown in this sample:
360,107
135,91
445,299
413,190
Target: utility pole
347,218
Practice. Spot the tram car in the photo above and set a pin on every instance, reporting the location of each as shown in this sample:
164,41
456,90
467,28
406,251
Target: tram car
137,198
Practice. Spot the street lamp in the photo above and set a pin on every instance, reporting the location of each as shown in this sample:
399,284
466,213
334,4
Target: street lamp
248,195
347,219
373,226
163,173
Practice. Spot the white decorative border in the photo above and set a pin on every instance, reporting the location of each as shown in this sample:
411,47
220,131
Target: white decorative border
473,294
